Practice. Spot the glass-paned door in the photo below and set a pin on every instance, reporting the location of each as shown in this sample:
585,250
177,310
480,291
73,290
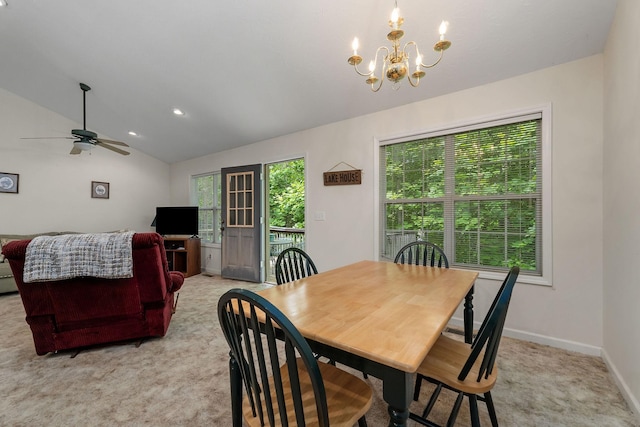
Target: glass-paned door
241,232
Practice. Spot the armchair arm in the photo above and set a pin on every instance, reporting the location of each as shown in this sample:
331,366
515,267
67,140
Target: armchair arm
177,279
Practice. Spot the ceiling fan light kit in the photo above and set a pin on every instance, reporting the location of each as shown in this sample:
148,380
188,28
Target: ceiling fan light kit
85,139
395,62
83,146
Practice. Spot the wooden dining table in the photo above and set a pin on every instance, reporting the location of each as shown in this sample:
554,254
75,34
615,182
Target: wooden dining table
378,317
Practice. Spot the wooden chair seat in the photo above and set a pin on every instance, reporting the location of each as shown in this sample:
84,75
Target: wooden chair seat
348,397
443,365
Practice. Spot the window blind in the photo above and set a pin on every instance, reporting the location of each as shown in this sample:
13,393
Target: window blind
475,191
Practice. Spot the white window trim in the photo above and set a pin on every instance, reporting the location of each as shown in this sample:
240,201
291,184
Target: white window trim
546,279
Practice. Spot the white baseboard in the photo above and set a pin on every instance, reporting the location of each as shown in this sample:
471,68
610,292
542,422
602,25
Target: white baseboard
622,385
542,339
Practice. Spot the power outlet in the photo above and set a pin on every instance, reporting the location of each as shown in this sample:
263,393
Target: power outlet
319,216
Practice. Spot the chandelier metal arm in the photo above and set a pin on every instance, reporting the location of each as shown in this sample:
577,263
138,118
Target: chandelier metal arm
355,67
375,89
418,54
375,61
432,64
417,82
373,79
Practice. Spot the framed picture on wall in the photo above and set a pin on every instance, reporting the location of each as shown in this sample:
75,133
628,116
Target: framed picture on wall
9,182
99,190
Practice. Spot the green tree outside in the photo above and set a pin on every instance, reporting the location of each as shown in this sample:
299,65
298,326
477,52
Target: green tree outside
286,194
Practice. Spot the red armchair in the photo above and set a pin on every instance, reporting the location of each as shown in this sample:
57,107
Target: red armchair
86,311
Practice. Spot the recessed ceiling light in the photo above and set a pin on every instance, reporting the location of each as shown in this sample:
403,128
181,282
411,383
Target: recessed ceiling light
132,133
178,112
3,3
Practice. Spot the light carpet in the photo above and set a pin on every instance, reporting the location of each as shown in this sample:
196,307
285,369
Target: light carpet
182,378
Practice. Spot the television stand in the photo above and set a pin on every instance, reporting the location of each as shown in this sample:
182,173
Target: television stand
183,255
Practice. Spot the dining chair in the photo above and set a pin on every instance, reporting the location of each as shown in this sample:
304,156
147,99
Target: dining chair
283,383
293,264
468,370
422,253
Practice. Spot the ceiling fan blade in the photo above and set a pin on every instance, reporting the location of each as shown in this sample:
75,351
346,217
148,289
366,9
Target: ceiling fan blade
109,141
75,150
108,147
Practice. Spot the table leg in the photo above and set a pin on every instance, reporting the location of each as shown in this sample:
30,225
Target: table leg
397,392
397,386
235,379
468,316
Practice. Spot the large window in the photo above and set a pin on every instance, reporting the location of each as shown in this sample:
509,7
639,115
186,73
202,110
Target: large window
205,192
476,191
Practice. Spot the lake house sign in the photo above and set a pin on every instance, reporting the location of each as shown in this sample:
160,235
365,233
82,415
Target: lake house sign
345,177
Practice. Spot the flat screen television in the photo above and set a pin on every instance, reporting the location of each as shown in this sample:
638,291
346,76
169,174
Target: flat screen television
181,220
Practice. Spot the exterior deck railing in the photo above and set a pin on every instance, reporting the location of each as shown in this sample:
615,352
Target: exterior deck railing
281,238
394,240
296,235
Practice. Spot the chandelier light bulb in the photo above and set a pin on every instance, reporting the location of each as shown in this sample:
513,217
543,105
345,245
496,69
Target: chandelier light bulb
418,62
372,66
395,16
354,45
443,29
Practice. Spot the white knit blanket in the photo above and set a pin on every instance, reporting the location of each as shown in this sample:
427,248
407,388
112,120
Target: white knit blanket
103,255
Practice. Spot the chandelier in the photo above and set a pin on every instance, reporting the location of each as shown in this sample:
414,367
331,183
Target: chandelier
395,63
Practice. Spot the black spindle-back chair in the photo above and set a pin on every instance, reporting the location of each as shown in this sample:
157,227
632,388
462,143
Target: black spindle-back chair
283,383
422,253
293,264
474,363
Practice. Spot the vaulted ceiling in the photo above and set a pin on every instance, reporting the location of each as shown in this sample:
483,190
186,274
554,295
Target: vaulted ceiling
248,70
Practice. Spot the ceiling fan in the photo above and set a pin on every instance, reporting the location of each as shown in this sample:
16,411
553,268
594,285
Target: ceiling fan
85,139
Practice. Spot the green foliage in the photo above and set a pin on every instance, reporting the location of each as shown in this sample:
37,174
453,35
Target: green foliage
286,194
492,192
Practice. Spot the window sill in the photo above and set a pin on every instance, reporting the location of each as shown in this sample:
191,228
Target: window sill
522,278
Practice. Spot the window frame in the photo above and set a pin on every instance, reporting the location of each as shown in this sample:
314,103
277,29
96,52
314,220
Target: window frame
215,208
545,111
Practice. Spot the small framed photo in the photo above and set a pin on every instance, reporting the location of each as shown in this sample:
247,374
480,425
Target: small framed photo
99,190
9,182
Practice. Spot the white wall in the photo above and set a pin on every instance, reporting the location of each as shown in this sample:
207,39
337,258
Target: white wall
621,200
55,187
569,314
